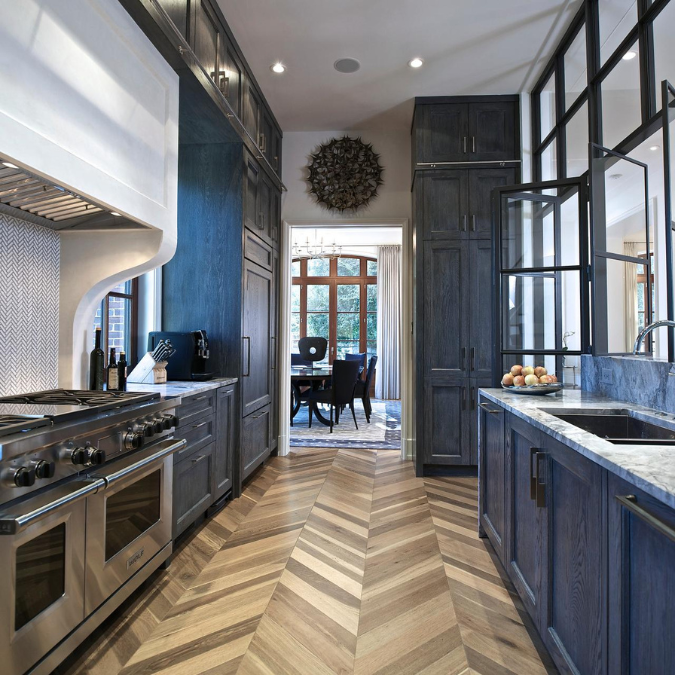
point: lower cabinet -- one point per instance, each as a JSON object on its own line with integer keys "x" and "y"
{"x": 256, "y": 433}
{"x": 192, "y": 487}
{"x": 225, "y": 417}
{"x": 641, "y": 582}
{"x": 447, "y": 431}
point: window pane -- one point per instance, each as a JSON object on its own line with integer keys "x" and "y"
{"x": 347, "y": 347}
{"x": 98, "y": 321}
{"x": 348, "y": 297}
{"x": 317, "y": 325}
{"x": 295, "y": 326}
{"x": 349, "y": 267}
{"x": 549, "y": 158}
{"x": 119, "y": 324}
{"x": 575, "y": 68}
{"x": 372, "y": 326}
{"x": 372, "y": 350}
{"x": 124, "y": 287}
{"x": 295, "y": 268}
{"x": 616, "y": 18}
{"x": 318, "y": 267}
{"x": 372, "y": 268}
{"x": 547, "y": 107}
{"x": 372, "y": 298}
{"x": 664, "y": 63}
{"x": 295, "y": 298}
{"x": 577, "y": 142}
{"x": 348, "y": 326}
{"x": 621, "y": 113}
{"x": 317, "y": 297}
{"x": 548, "y": 362}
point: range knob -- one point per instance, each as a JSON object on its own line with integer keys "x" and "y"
{"x": 149, "y": 429}
{"x": 95, "y": 456}
{"x": 24, "y": 477}
{"x": 158, "y": 426}
{"x": 44, "y": 469}
{"x": 170, "y": 421}
{"x": 133, "y": 440}
{"x": 79, "y": 456}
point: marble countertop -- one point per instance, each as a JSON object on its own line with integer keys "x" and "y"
{"x": 650, "y": 468}
{"x": 174, "y": 388}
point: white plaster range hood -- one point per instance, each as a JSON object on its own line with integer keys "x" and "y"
{"x": 28, "y": 196}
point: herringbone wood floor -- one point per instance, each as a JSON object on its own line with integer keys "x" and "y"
{"x": 332, "y": 561}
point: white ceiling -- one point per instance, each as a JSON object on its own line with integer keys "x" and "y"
{"x": 349, "y": 236}
{"x": 487, "y": 47}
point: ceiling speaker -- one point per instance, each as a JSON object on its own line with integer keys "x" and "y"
{"x": 346, "y": 65}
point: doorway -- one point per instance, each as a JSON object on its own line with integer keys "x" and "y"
{"x": 331, "y": 291}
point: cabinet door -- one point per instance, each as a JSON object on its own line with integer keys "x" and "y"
{"x": 255, "y": 441}
{"x": 492, "y": 475}
{"x": 275, "y": 216}
{"x": 574, "y": 627}
{"x": 251, "y": 214}
{"x": 256, "y": 381}
{"x": 224, "y": 448}
{"x": 206, "y": 35}
{"x": 641, "y": 582}
{"x": 446, "y": 422}
{"x": 192, "y": 488}
{"x": 446, "y": 308}
{"x": 276, "y": 142}
{"x": 252, "y": 105}
{"x": 445, "y": 208}
{"x": 265, "y": 190}
{"x": 229, "y": 74}
{"x": 492, "y": 129}
{"x": 526, "y": 522}
{"x": 442, "y": 132}
{"x": 265, "y": 139}
{"x": 481, "y": 184}
{"x": 479, "y": 314}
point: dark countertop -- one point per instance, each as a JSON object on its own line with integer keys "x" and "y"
{"x": 650, "y": 468}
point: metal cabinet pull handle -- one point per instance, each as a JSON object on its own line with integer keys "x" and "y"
{"x": 473, "y": 398}
{"x": 248, "y": 356}
{"x": 473, "y": 144}
{"x": 487, "y": 408}
{"x": 464, "y": 222}
{"x": 464, "y": 144}
{"x": 473, "y": 358}
{"x": 200, "y": 424}
{"x": 200, "y": 398}
{"x": 473, "y": 222}
{"x": 541, "y": 484}
{"x": 533, "y": 475}
{"x": 274, "y": 353}
{"x": 463, "y": 358}
{"x": 630, "y": 502}
{"x": 196, "y": 460}
{"x": 224, "y": 85}
{"x": 463, "y": 398}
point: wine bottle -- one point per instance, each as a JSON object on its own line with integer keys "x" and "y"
{"x": 122, "y": 372}
{"x": 113, "y": 375}
{"x": 97, "y": 364}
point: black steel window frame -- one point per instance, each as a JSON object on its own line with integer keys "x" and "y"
{"x": 668, "y": 118}
{"x": 133, "y": 317}
{"x": 587, "y": 19}
{"x": 577, "y": 185}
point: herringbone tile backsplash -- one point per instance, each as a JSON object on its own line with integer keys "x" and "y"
{"x": 29, "y": 306}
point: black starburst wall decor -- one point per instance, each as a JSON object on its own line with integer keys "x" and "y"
{"x": 344, "y": 174}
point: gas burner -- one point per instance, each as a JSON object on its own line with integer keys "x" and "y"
{"x": 77, "y": 397}
{"x": 15, "y": 424}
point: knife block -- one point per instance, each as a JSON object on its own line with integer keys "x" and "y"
{"x": 148, "y": 371}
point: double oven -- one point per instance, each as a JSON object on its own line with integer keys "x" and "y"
{"x": 71, "y": 553}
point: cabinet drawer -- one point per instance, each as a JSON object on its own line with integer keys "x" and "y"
{"x": 257, "y": 251}
{"x": 195, "y": 407}
{"x": 192, "y": 487}
{"x": 255, "y": 440}
{"x": 197, "y": 434}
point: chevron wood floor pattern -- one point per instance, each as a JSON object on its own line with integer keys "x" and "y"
{"x": 332, "y": 561}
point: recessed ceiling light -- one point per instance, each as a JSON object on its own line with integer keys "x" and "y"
{"x": 654, "y": 148}
{"x": 417, "y": 62}
{"x": 9, "y": 165}
{"x": 114, "y": 213}
{"x": 629, "y": 56}
{"x": 278, "y": 68}
{"x": 346, "y": 65}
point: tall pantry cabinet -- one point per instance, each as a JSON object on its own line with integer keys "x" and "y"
{"x": 463, "y": 148}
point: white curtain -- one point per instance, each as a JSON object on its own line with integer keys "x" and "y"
{"x": 388, "y": 378}
{"x": 630, "y": 248}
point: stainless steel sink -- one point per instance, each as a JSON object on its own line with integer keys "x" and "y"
{"x": 619, "y": 427}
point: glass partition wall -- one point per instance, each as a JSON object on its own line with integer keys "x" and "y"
{"x": 603, "y": 88}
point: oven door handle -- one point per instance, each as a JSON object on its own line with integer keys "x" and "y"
{"x": 163, "y": 449}
{"x": 12, "y": 524}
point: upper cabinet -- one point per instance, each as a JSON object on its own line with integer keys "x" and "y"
{"x": 465, "y": 130}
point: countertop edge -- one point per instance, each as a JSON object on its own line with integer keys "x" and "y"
{"x": 653, "y": 473}
{"x": 174, "y": 389}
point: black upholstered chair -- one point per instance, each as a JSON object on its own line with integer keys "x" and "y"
{"x": 313, "y": 348}
{"x": 362, "y": 390}
{"x": 361, "y": 358}
{"x": 297, "y": 360}
{"x": 341, "y": 391}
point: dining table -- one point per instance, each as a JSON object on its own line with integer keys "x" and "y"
{"x": 316, "y": 376}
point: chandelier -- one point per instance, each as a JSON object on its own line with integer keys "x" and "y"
{"x": 316, "y": 249}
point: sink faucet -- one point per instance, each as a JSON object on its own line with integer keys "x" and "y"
{"x": 648, "y": 329}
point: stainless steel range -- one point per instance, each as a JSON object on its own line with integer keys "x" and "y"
{"x": 85, "y": 514}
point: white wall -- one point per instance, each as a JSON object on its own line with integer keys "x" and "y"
{"x": 90, "y": 104}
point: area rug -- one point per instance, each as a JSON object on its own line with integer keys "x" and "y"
{"x": 384, "y": 430}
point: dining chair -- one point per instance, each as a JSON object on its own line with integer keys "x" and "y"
{"x": 313, "y": 348}
{"x": 362, "y": 390}
{"x": 340, "y": 393}
{"x": 297, "y": 360}
{"x": 361, "y": 358}
{"x": 300, "y": 387}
